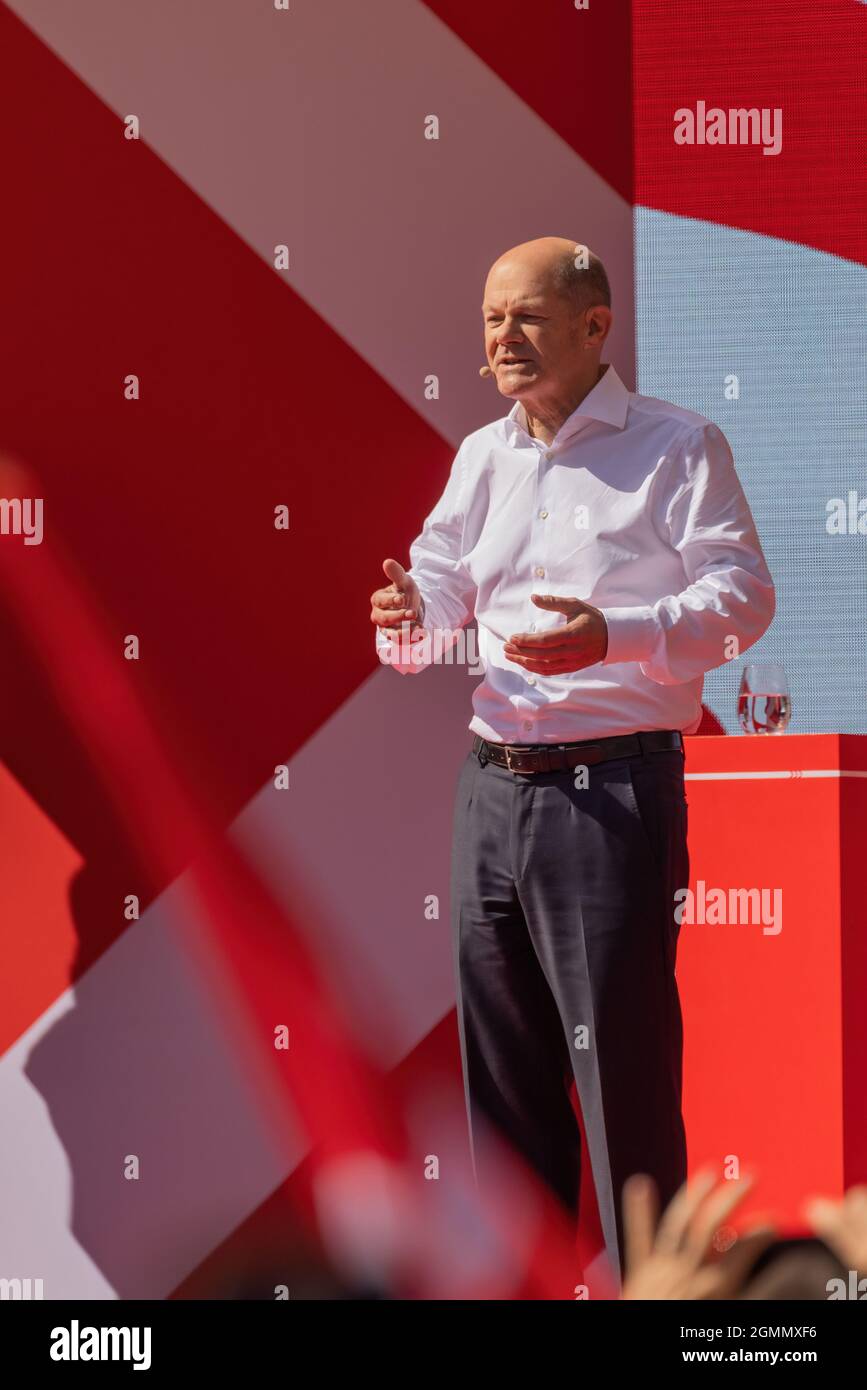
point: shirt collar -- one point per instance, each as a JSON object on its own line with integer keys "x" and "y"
{"x": 608, "y": 401}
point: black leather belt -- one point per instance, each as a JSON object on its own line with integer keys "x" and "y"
{"x": 560, "y": 757}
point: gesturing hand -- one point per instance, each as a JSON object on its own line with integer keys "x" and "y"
{"x": 842, "y": 1225}
{"x": 581, "y": 642}
{"x": 670, "y": 1260}
{"x": 401, "y": 602}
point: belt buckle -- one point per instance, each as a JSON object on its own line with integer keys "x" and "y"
{"x": 508, "y": 752}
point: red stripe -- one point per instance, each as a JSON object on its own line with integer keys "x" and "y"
{"x": 571, "y": 66}
{"x": 809, "y": 60}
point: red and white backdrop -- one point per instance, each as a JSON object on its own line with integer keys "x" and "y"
{"x": 304, "y": 387}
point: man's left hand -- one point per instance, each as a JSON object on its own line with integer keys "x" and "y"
{"x": 581, "y": 642}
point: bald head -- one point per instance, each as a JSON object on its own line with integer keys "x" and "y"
{"x": 547, "y": 312}
{"x": 571, "y": 269}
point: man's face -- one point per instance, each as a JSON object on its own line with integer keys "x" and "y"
{"x": 532, "y": 333}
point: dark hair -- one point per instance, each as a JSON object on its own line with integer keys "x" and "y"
{"x": 797, "y": 1267}
{"x": 583, "y": 287}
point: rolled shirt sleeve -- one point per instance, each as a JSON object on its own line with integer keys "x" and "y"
{"x": 730, "y": 593}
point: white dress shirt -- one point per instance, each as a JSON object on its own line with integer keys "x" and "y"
{"x": 636, "y": 508}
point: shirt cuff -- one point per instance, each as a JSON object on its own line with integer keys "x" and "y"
{"x": 393, "y": 649}
{"x": 632, "y": 634}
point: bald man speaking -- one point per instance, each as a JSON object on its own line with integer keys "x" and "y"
{"x": 603, "y": 542}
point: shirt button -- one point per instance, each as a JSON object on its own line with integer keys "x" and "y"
{"x": 550, "y": 454}
{"x": 543, "y": 514}
{"x": 539, "y": 572}
{"x": 531, "y": 680}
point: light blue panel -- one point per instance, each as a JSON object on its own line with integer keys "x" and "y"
{"x": 791, "y": 324}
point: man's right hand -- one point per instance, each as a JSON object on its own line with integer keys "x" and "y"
{"x": 401, "y": 602}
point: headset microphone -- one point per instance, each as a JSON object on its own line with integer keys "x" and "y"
{"x": 485, "y": 371}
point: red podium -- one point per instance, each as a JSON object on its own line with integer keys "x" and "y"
{"x": 772, "y": 963}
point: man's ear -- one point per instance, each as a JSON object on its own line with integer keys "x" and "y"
{"x": 598, "y": 323}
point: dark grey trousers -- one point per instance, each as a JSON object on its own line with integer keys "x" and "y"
{"x": 565, "y": 942}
